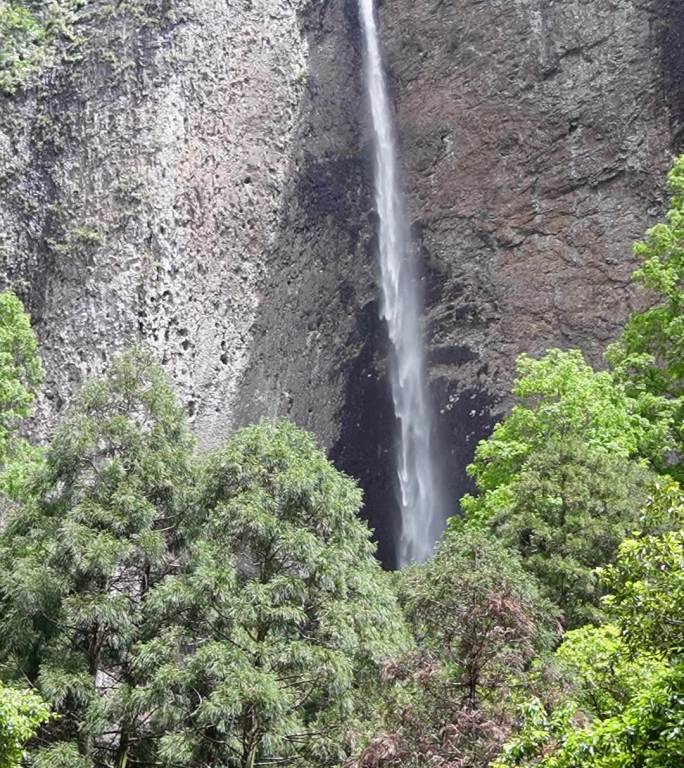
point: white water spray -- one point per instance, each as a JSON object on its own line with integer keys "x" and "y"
{"x": 420, "y": 493}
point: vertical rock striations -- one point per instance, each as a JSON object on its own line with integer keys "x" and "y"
{"x": 146, "y": 185}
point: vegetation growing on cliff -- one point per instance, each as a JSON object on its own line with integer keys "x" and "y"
{"x": 30, "y": 30}
{"x": 22, "y": 45}
{"x": 227, "y": 610}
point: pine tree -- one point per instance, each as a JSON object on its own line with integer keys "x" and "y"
{"x": 79, "y": 557}
{"x": 281, "y": 616}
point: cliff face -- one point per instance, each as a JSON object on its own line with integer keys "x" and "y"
{"x": 201, "y": 180}
{"x": 146, "y": 185}
{"x": 536, "y": 136}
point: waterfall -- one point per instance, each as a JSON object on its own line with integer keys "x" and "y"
{"x": 419, "y": 491}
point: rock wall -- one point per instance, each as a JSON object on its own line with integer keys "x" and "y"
{"x": 146, "y": 185}
{"x": 536, "y": 136}
{"x": 201, "y": 180}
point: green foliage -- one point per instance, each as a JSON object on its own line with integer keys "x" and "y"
{"x": 556, "y": 479}
{"x": 22, "y": 465}
{"x": 78, "y": 557}
{"x": 559, "y": 397}
{"x": 605, "y": 672}
{"x": 649, "y": 357}
{"x": 541, "y": 733}
{"x": 647, "y": 579}
{"x": 627, "y": 677}
{"x": 20, "y": 370}
{"x": 474, "y": 607}
{"x": 21, "y": 714}
{"x": 60, "y": 755}
{"x": 628, "y": 709}
{"x": 29, "y": 32}
{"x": 478, "y": 621}
{"x": 281, "y": 615}
{"x": 21, "y": 375}
{"x": 647, "y": 733}
{"x": 22, "y": 45}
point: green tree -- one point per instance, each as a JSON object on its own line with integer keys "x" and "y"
{"x": 20, "y": 370}
{"x": 479, "y": 621}
{"x": 628, "y": 707}
{"x": 78, "y": 558}
{"x": 646, "y": 733}
{"x": 647, "y": 580}
{"x": 556, "y": 479}
{"x": 649, "y": 357}
{"x": 21, "y": 715}
{"x": 604, "y": 671}
{"x": 21, "y": 373}
{"x": 558, "y": 396}
{"x": 281, "y": 618}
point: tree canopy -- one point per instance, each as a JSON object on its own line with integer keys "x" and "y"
{"x": 649, "y": 357}
{"x": 161, "y": 607}
{"x": 222, "y": 611}
{"x": 78, "y": 558}
{"x": 280, "y": 616}
{"x": 558, "y": 479}
{"x": 478, "y": 620}
{"x": 628, "y": 704}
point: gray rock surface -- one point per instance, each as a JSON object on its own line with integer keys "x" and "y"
{"x": 155, "y": 192}
{"x": 201, "y": 180}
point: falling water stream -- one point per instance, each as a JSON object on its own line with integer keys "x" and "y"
{"x": 419, "y": 489}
